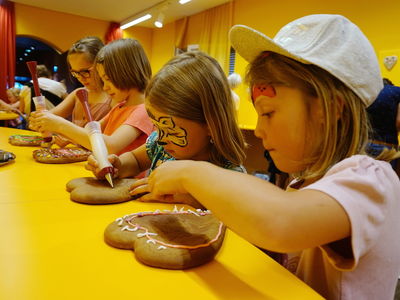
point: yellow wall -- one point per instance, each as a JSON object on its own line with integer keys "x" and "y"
{"x": 163, "y": 46}
{"x": 59, "y": 30}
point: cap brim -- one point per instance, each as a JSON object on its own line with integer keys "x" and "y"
{"x": 250, "y": 43}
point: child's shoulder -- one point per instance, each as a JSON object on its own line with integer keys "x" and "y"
{"x": 360, "y": 176}
{"x": 359, "y": 162}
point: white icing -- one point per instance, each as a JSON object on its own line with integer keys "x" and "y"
{"x": 126, "y": 227}
{"x": 161, "y": 247}
{"x": 192, "y": 212}
{"x": 119, "y": 221}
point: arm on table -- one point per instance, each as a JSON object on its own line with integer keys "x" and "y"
{"x": 257, "y": 210}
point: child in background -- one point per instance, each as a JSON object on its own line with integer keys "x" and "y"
{"x": 13, "y": 103}
{"x": 53, "y": 90}
{"x": 189, "y": 101}
{"x": 124, "y": 69}
{"x": 80, "y": 59}
{"x": 234, "y": 81}
{"x": 310, "y": 86}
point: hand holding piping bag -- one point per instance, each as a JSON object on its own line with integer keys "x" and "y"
{"x": 99, "y": 148}
{"x": 39, "y": 100}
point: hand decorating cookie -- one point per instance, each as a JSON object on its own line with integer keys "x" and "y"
{"x": 177, "y": 239}
{"x": 90, "y": 190}
{"x": 60, "y": 156}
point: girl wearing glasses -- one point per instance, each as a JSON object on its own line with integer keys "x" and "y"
{"x": 124, "y": 70}
{"x": 80, "y": 59}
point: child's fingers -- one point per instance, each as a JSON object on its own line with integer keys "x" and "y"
{"x": 138, "y": 183}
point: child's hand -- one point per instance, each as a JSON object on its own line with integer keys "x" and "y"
{"x": 61, "y": 141}
{"x": 167, "y": 178}
{"x": 140, "y": 191}
{"x": 93, "y": 166}
{"x": 44, "y": 121}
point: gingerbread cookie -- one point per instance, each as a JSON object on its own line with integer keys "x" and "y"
{"x": 60, "y": 156}
{"x": 90, "y": 190}
{"x": 25, "y": 140}
{"x": 177, "y": 239}
{"x": 6, "y": 157}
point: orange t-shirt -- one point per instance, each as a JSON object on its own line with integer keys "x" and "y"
{"x": 135, "y": 116}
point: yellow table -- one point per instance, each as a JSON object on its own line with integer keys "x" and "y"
{"x": 53, "y": 248}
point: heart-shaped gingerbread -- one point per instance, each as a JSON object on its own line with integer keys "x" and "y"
{"x": 60, "y": 155}
{"x": 90, "y": 190}
{"x": 177, "y": 239}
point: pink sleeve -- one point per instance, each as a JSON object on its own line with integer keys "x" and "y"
{"x": 140, "y": 120}
{"x": 367, "y": 189}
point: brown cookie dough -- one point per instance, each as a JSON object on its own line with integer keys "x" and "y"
{"x": 90, "y": 190}
{"x": 177, "y": 239}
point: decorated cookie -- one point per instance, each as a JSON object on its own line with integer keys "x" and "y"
{"x": 60, "y": 156}
{"x": 25, "y": 140}
{"x": 6, "y": 157}
{"x": 90, "y": 190}
{"x": 177, "y": 239}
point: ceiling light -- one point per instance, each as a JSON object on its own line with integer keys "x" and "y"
{"x": 136, "y": 21}
{"x": 159, "y": 22}
{"x": 184, "y": 1}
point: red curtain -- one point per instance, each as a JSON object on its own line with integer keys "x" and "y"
{"x": 7, "y": 47}
{"x": 113, "y": 32}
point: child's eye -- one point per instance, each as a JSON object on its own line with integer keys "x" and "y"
{"x": 267, "y": 114}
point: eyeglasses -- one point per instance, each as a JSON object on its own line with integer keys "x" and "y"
{"x": 82, "y": 73}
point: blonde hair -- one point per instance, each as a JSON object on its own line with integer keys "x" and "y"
{"x": 193, "y": 86}
{"x": 345, "y": 129}
{"x": 126, "y": 64}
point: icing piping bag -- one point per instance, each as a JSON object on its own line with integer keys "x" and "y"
{"x": 93, "y": 130}
{"x": 39, "y": 100}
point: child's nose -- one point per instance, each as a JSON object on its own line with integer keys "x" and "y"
{"x": 258, "y": 132}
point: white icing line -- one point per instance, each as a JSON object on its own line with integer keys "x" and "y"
{"x": 192, "y": 212}
{"x": 119, "y": 221}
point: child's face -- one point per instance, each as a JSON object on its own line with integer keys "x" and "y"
{"x": 181, "y": 138}
{"x": 115, "y": 93}
{"x": 82, "y": 69}
{"x": 282, "y": 126}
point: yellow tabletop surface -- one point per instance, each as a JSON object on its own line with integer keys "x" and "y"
{"x": 53, "y": 248}
{"x": 7, "y": 115}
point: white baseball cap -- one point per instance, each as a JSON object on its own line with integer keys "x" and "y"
{"x": 331, "y": 42}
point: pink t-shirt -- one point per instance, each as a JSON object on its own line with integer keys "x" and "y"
{"x": 367, "y": 264}
{"x": 135, "y": 116}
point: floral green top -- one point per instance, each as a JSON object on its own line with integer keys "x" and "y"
{"x": 158, "y": 155}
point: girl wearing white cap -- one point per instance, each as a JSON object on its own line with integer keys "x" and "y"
{"x": 310, "y": 86}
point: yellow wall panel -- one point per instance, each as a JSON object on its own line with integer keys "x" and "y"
{"x": 57, "y": 29}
